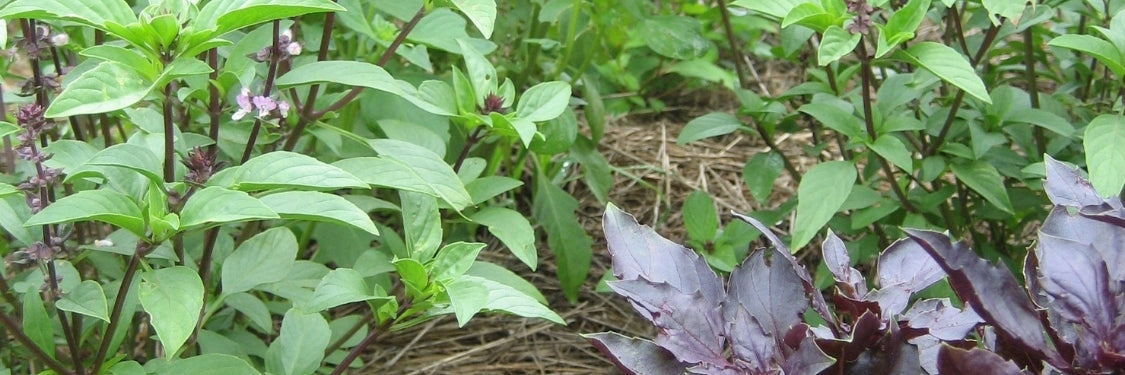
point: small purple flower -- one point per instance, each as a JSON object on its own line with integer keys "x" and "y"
{"x": 201, "y": 165}
{"x": 244, "y": 105}
{"x": 267, "y": 107}
{"x": 861, "y": 23}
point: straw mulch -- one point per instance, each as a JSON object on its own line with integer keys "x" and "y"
{"x": 653, "y": 177}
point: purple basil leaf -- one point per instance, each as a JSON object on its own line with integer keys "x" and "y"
{"x": 1066, "y": 187}
{"x": 1030, "y": 265}
{"x": 751, "y": 344}
{"x": 807, "y": 360}
{"x": 1110, "y": 215}
{"x": 818, "y": 303}
{"x": 709, "y": 369}
{"x": 991, "y": 290}
{"x": 941, "y": 319}
{"x": 952, "y": 360}
{"x": 906, "y": 266}
{"x": 901, "y": 357}
{"x": 1105, "y": 238}
{"x": 854, "y": 285}
{"x": 891, "y": 300}
{"x": 771, "y": 291}
{"x": 928, "y": 347}
{"x": 638, "y": 252}
{"x": 1075, "y": 277}
{"x": 636, "y": 356}
{"x": 689, "y": 327}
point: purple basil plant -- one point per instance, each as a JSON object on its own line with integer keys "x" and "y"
{"x": 755, "y": 324}
{"x": 1070, "y": 318}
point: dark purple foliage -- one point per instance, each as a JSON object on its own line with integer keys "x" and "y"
{"x": 752, "y": 327}
{"x": 1071, "y": 317}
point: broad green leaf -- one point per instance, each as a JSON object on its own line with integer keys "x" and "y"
{"x": 37, "y": 324}
{"x": 835, "y": 43}
{"x": 100, "y": 205}
{"x": 983, "y": 178}
{"x": 775, "y": 9}
{"x": 300, "y": 347}
{"x": 87, "y": 299}
{"x": 504, "y": 298}
{"x": 1105, "y": 156}
{"x": 89, "y": 13}
{"x": 481, "y": 12}
{"x": 836, "y": 119}
{"x": 810, "y": 15}
{"x": 710, "y": 125}
{"x": 173, "y": 298}
{"x": 219, "y": 205}
{"x": 406, "y": 166}
{"x": 555, "y": 210}
{"x": 355, "y": 73}
{"x": 900, "y": 27}
{"x": 340, "y": 286}
{"x": 254, "y": 309}
{"x": 209, "y": 364}
{"x": 677, "y": 37}
{"x": 480, "y": 73}
{"x": 317, "y": 206}
{"x": 467, "y": 297}
{"x": 107, "y": 87}
{"x": 1102, "y": 50}
{"x": 129, "y": 156}
{"x": 126, "y": 56}
{"x": 1010, "y": 9}
{"x": 544, "y": 101}
{"x": 822, "y": 192}
{"x": 512, "y": 229}
{"x": 6, "y": 190}
{"x": 1044, "y": 119}
{"x": 488, "y": 187}
{"x": 950, "y": 66}
{"x": 283, "y": 169}
{"x": 510, "y": 125}
{"x": 454, "y": 259}
{"x": 413, "y": 275}
{"x": 892, "y": 149}
{"x": 421, "y": 224}
{"x": 700, "y": 218}
{"x": 760, "y": 172}
{"x": 265, "y": 258}
{"x": 7, "y": 128}
{"x": 505, "y": 276}
{"x": 228, "y": 15}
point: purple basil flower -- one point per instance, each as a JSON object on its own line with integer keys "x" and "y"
{"x": 287, "y": 47}
{"x": 267, "y": 107}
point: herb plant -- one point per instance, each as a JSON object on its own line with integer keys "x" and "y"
{"x": 202, "y": 193}
{"x": 1069, "y": 318}
{"x": 757, "y": 325}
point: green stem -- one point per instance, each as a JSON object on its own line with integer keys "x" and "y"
{"x": 568, "y": 46}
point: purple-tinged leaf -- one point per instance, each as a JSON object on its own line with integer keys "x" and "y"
{"x": 952, "y": 360}
{"x": 900, "y": 357}
{"x": 848, "y": 279}
{"x": 639, "y": 252}
{"x": 1103, "y": 237}
{"x": 636, "y": 356}
{"x": 865, "y": 333}
{"x": 1076, "y": 278}
{"x": 709, "y": 369}
{"x": 770, "y": 290}
{"x": 854, "y": 308}
{"x": 1065, "y": 186}
{"x": 1034, "y": 290}
{"x": 807, "y": 360}
{"x": 750, "y": 343}
{"x": 818, "y": 303}
{"x": 991, "y": 290}
{"x": 689, "y": 327}
{"x": 941, "y": 319}
{"x": 1110, "y": 215}
{"x": 928, "y": 347}
{"x": 905, "y": 266}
